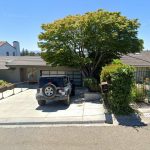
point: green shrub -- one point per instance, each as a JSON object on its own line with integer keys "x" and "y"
{"x": 91, "y": 84}
{"x": 120, "y": 78}
{"x": 108, "y": 71}
{"x": 138, "y": 93}
{"x": 117, "y": 61}
{"x": 3, "y": 83}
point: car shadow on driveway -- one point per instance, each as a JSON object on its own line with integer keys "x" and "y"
{"x": 82, "y": 95}
{"x": 52, "y": 107}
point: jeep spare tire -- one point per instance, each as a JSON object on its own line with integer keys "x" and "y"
{"x": 49, "y": 90}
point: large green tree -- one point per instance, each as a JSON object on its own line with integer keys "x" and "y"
{"x": 89, "y": 41}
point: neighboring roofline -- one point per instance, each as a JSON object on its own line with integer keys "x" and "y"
{"x": 38, "y": 62}
{"x": 10, "y": 45}
{"x": 141, "y": 66}
{"x": 137, "y": 60}
{"x": 5, "y": 42}
{"x": 26, "y": 66}
{"x": 44, "y": 67}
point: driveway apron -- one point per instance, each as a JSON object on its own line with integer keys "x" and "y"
{"x": 22, "y": 108}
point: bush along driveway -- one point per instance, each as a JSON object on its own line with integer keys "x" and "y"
{"x": 118, "y": 99}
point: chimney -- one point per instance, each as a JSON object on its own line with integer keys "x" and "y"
{"x": 17, "y": 47}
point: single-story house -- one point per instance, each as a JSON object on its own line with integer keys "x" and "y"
{"x": 29, "y": 68}
{"x": 141, "y": 62}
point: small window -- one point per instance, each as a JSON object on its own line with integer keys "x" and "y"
{"x": 13, "y": 53}
{"x": 7, "y": 53}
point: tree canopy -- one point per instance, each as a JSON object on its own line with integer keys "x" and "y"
{"x": 90, "y": 40}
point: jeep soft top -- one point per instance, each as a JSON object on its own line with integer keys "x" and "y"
{"x": 57, "y": 80}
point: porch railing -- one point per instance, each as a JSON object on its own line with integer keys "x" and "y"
{"x": 12, "y": 89}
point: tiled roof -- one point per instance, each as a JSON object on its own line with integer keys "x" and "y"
{"x": 9, "y": 61}
{"x": 139, "y": 59}
{"x": 2, "y": 42}
{"x": 27, "y": 61}
{"x": 3, "y": 61}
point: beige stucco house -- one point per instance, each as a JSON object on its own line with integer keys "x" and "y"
{"x": 29, "y": 68}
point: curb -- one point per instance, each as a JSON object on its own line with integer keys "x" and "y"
{"x": 52, "y": 123}
{"x": 109, "y": 118}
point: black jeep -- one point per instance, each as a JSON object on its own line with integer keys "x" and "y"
{"x": 54, "y": 88}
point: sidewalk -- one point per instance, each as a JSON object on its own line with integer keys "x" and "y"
{"x": 144, "y": 110}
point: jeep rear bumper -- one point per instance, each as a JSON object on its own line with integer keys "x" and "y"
{"x": 56, "y": 98}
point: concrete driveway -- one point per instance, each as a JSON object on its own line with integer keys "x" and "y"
{"x": 22, "y": 108}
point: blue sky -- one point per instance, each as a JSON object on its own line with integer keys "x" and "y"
{"x": 21, "y": 20}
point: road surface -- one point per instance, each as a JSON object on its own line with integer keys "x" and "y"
{"x": 75, "y": 138}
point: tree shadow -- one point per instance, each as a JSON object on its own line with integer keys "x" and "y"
{"x": 27, "y": 85}
{"x": 133, "y": 120}
{"x": 85, "y": 96}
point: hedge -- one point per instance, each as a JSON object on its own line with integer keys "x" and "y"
{"x": 120, "y": 78}
{"x": 91, "y": 84}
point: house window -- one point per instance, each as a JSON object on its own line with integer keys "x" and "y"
{"x": 13, "y": 53}
{"x": 7, "y": 53}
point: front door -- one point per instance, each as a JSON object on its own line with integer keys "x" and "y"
{"x": 23, "y": 74}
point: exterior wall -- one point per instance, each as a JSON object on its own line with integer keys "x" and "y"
{"x": 7, "y": 48}
{"x": 17, "y": 47}
{"x": 141, "y": 73}
{"x": 33, "y": 73}
{"x": 11, "y": 75}
{"x": 76, "y": 76}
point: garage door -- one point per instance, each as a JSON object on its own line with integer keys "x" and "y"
{"x": 76, "y": 76}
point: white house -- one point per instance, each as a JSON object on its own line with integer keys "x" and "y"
{"x": 7, "y": 49}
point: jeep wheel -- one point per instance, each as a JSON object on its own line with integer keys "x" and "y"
{"x": 41, "y": 102}
{"x": 67, "y": 101}
{"x": 49, "y": 90}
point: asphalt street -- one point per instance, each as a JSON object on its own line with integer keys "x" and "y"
{"x": 75, "y": 138}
